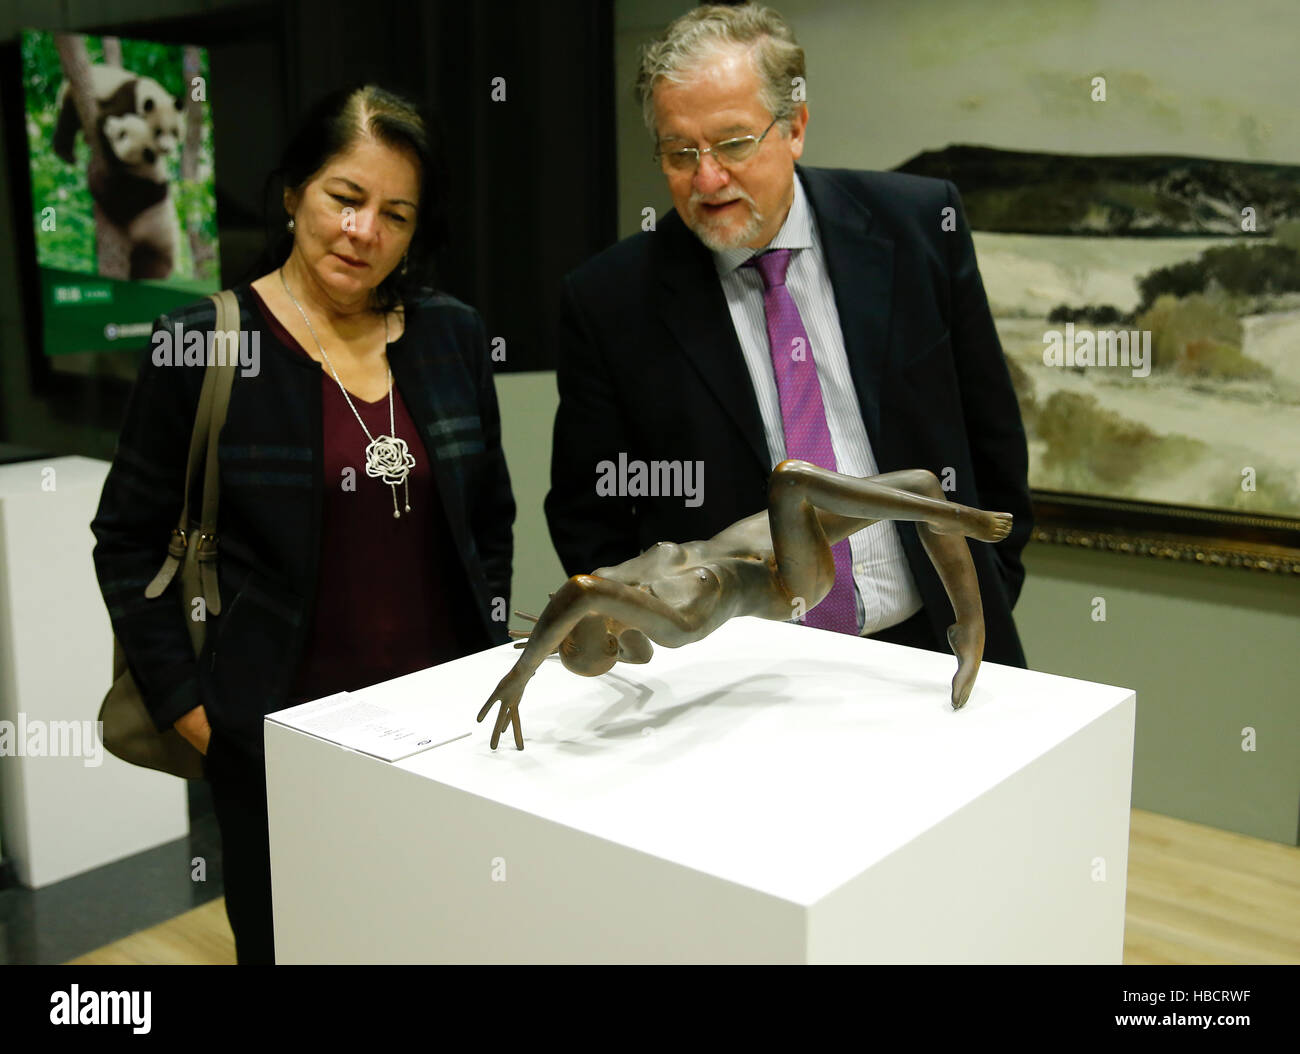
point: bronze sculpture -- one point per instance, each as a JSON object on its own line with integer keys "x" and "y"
{"x": 776, "y": 564}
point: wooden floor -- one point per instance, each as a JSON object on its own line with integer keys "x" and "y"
{"x": 1195, "y": 895}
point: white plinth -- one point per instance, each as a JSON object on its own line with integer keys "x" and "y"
{"x": 64, "y": 814}
{"x": 771, "y": 794}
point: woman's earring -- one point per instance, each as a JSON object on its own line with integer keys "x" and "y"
{"x": 290, "y": 225}
{"x": 403, "y": 263}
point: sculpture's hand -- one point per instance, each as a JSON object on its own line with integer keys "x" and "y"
{"x": 508, "y": 693}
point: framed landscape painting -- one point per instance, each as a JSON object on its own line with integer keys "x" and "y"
{"x": 1149, "y": 310}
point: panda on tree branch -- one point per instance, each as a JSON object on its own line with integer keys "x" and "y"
{"x": 139, "y": 127}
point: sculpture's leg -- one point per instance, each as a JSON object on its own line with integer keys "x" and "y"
{"x": 950, "y": 555}
{"x": 848, "y": 504}
{"x": 804, "y": 563}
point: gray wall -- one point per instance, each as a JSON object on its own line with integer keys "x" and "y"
{"x": 1209, "y": 651}
{"x": 528, "y": 402}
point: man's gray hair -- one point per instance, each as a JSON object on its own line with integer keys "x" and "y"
{"x": 694, "y": 38}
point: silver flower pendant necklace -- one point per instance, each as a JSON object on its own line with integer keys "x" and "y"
{"x": 387, "y": 457}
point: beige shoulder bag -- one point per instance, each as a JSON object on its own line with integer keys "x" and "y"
{"x": 128, "y": 730}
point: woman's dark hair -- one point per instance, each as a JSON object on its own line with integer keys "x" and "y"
{"x": 332, "y": 126}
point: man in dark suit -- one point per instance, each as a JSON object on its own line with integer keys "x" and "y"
{"x": 678, "y": 386}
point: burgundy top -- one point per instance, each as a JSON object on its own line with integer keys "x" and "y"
{"x": 389, "y": 590}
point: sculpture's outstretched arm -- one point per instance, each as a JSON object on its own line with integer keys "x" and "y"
{"x": 579, "y": 597}
{"x": 811, "y": 508}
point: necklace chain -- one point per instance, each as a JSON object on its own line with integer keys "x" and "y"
{"x": 387, "y": 457}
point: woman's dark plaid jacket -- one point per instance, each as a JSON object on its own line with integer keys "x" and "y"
{"x": 268, "y": 523}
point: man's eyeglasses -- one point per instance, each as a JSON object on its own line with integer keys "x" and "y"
{"x": 726, "y": 153}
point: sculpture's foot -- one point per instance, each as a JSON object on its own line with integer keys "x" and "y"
{"x": 989, "y": 526}
{"x": 976, "y": 523}
{"x": 967, "y": 643}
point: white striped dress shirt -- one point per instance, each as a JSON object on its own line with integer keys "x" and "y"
{"x": 886, "y": 592}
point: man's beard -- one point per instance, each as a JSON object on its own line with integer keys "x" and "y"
{"x": 712, "y": 233}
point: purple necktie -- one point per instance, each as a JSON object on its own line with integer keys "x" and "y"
{"x": 807, "y": 436}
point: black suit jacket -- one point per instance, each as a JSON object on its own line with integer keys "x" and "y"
{"x": 650, "y": 367}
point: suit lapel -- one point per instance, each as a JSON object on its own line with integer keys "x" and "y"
{"x": 695, "y": 309}
{"x": 861, "y": 266}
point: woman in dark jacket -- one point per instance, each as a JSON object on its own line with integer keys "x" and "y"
{"x": 364, "y": 528}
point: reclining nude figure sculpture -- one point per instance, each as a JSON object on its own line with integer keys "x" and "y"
{"x": 776, "y": 564}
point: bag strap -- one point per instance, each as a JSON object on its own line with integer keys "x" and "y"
{"x": 228, "y": 327}
{"x": 213, "y": 401}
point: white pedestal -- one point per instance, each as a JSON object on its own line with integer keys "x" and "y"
{"x": 64, "y": 814}
{"x": 771, "y": 794}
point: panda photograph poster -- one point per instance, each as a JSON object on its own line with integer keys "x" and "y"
{"x": 122, "y": 180}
